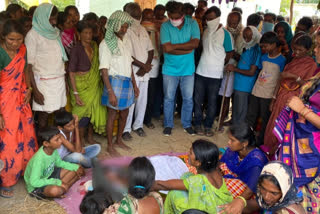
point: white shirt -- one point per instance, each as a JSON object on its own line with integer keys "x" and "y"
{"x": 212, "y": 58}
{"x": 44, "y": 55}
{"x": 141, "y": 44}
{"x": 63, "y": 151}
{"x": 116, "y": 64}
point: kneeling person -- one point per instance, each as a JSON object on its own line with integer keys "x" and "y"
{"x": 46, "y": 174}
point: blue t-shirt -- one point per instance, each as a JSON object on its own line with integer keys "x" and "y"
{"x": 179, "y": 65}
{"x": 248, "y": 57}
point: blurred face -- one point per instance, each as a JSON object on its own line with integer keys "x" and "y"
{"x": 86, "y": 35}
{"x": 234, "y": 144}
{"x": 247, "y": 35}
{"x": 13, "y": 41}
{"x": 281, "y": 32}
{"x": 123, "y": 30}
{"x": 68, "y": 23}
{"x": 189, "y": 12}
{"x": 270, "y": 193}
{"x": 267, "y": 48}
{"x": 75, "y": 17}
{"x": 55, "y": 141}
{"x": 299, "y": 51}
{"x": 268, "y": 18}
{"x": 317, "y": 49}
{"x": 301, "y": 27}
{"x": 69, "y": 126}
{"x": 103, "y": 22}
{"x": 17, "y": 15}
{"x": 159, "y": 14}
{"x": 53, "y": 20}
{"x": 148, "y": 16}
{"x": 210, "y": 16}
{"x": 27, "y": 26}
{"x": 233, "y": 21}
{"x": 136, "y": 14}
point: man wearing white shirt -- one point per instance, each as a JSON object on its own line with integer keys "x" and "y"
{"x": 142, "y": 55}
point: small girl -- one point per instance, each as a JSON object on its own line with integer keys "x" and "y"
{"x": 204, "y": 191}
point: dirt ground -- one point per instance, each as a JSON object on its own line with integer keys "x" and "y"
{"x": 154, "y": 143}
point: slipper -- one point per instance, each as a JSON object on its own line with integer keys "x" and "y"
{"x": 140, "y": 132}
{"x": 7, "y": 189}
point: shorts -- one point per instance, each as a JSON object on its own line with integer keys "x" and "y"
{"x": 39, "y": 192}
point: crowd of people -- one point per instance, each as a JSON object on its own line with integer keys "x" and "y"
{"x": 113, "y": 75}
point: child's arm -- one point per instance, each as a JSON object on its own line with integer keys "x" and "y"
{"x": 68, "y": 145}
{"x": 63, "y": 164}
{"x": 250, "y": 72}
{"x": 78, "y": 146}
{"x": 174, "y": 184}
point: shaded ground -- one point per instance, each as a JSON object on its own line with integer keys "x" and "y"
{"x": 154, "y": 143}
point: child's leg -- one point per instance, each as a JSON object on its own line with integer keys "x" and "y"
{"x": 111, "y": 117}
{"x": 265, "y": 115}
{"x": 253, "y": 111}
{"x": 122, "y": 122}
{"x": 53, "y": 191}
{"x": 69, "y": 177}
{"x": 90, "y": 135}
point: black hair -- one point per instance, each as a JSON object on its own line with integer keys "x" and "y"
{"x": 12, "y": 8}
{"x": 254, "y": 19}
{"x": 274, "y": 16}
{"x": 71, "y": 7}
{"x": 306, "y": 21}
{"x": 280, "y": 18}
{"x": 214, "y": 10}
{"x": 270, "y": 178}
{"x": 102, "y": 17}
{"x": 243, "y": 132}
{"x": 194, "y": 211}
{"x": 159, "y": 7}
{"x": 95, "y": 202}
{"x": 141, "y": 176}
{"x": 25, "y": 19}
{"x": 145, "y": 11}
{"x": 90, "y": 17}
{"x": 54, "y": 11}
{"x": 207, "y": 153}
{"x": 203, "y": 1}
{"x": 188, "y": 6}
{"x": 62, "y": 118}
{"x": 235, "y": 13}
{"x": 12, "y": 26}
{"x": 304, "y": 40}
{"x": 62, "y": 18}
{"x": 47, "y": 133}
{"x": 174, "y": 7}
{"x": 237, "y": 9}
{"x": 81, "y": 25}
{"x": 270, "y": 38}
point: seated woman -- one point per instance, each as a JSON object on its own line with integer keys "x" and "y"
{"x": 276, "y": 191}
{"x": 204, "y": 191}
{"x": 241, "y": 165}
{"x": 298, "y": 130}
{"x": 141, "y": 176}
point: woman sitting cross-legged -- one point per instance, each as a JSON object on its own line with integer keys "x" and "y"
{"x": 204, "y": 191}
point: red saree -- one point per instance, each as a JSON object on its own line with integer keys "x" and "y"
{"x": 303, "y": 67}
{"x": 17, "y": 140}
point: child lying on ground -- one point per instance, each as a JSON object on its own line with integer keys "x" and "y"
{"x": 46, "y": 174}
{"x": 71, "y": 149}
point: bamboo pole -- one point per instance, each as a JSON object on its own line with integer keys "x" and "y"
{"x": 291, "y": 12}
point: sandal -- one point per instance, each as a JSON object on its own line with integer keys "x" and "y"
{"x": 208, "y": 132}
{"x": 6, "y": 192}
{"x": 150, "y": 125}
{"x": 126, "y": 136}
{"x": 140, "y": 132}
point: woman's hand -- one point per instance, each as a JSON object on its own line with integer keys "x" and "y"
{"x": 295, "y": 104}
{"x": 2, "y": 124}
{"x": 79, "y": 102}
{"x": 38, "y": 97}
{"x": 112, "y": 98}
{"x": 235, "y": 207}
{"x": 27, "y": 97}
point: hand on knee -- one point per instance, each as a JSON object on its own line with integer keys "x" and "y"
{"x": 80, "y": 172}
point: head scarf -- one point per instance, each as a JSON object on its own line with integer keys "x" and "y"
{"x": 255, "y": 38}
{"x": 283, "y": 174}
{"x": 287, "y": 30}
{"x": 116, "y": 20}
{"x": 41, "y": 24}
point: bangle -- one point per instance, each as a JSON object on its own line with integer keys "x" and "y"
{"x": 243, "y": 199}
{"x": 75, "y": 92}
{"x": 305, "y": 115}
{"x": 298, "y": 79}
{"x": 30, "y": 88}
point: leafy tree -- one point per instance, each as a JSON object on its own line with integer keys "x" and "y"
{"x": 62, "y": 4}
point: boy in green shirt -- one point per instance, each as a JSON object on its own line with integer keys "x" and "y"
{"x": 46, "y": 175}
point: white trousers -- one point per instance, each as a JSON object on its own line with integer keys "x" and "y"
{"x": 139, "y": 108}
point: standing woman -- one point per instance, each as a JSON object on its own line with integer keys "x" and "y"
{"x": 86, "y": 84}
{"x": 17, "y": 135}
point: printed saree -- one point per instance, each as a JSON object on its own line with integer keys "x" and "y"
{"x": 17, "y": 140}
{"x": 90, "y": 88}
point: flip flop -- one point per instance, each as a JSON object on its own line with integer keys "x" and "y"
{"x": 7, "y": 189}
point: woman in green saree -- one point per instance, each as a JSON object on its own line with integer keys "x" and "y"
{"x": 86, "y": 84}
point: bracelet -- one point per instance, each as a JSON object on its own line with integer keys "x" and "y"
{"x": 30, "y": 88}
{"x": 75, "y": 92}
{"x": 305, "y": 115}
{"x": 298, "y": 79}
{"x": 243, "y": 199}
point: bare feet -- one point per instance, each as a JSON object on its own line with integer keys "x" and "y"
{"x": 91, "y": 141}
{"x": 121, "y": 145}
{"x": 113, "y": 152}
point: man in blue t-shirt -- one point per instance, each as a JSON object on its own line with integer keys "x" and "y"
{"x": 179, "y": 37}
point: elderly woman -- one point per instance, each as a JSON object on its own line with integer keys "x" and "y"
{"x": 120, "y": 87}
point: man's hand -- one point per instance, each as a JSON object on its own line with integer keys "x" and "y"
{"x": 112, "y": 98}
{"x": 230, "y": 68}
{"x": 38, "y": 97}
{"x": 141, "y": 72}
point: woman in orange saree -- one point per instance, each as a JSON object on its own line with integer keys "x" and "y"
{"x": 299, "y": 70}
{"x": 17, "y": 136}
